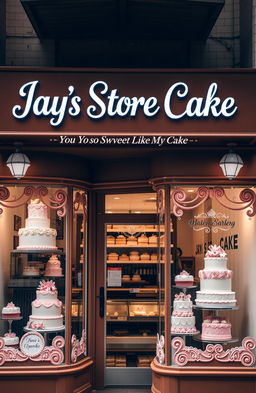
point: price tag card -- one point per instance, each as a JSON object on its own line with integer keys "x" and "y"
{"x": 114, "y": 277}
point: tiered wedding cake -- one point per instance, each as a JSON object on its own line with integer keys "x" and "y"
{"x": 215, "y": 281}
{"x": 37, "y": 234}
{"x": 46, "y": 309}
{"x": 53, "y": 267}
{"x": 182, "y": 319}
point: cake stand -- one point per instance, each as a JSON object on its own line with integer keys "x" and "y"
{"x": 230, "y": 340}
{"x": 10, "y": 321}
{"x": 45, "y": 332}
{"x": 184, "y": 288}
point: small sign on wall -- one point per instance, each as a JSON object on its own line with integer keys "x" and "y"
{"x": 114, "y": 277}
{"x": 32, "y": 344}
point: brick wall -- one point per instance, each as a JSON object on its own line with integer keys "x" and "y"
{"x": 222, "y": 48}
{"x": 23, "y": 48}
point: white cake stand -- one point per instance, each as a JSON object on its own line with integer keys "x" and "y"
{"x": 44, "y": 332}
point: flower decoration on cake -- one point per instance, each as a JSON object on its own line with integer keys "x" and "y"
{"x": 35, "y": 325}
{"x": 10, "y": 305}
{"x": 215, "y": 252}
{"x": 47, "y": 286}
{"x": 11, "y": 335}
{"x": 182, "y": 296}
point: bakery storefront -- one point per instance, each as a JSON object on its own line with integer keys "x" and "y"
{"x": 127, "y": 252}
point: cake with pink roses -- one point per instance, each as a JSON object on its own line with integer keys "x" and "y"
{"x": 184, "y": 279}
{"x": 215, "y": 281}
{"x": 182, "y": 319}
{"x": 216, "y": 329}
{"x": 46, "y": 308}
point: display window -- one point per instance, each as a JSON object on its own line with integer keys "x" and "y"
{"x": 208, "y": 276}
{"x": 43, "y": 230}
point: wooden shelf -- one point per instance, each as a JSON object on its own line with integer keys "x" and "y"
{"x": 139, "y": 262}
{"x": 127, "y": 246}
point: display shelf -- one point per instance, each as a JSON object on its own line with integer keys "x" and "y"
{"x": 128, "y": 246}
{"x": 135, "y": 319}
{"x": 144, "y": 231}
{"x": 185, "y": 334}
{"x": 215, "y": 308}
{"x": 131, "y": 339}
{"x": 184, "y": 287}
{"x": 58, "y": 252}
{"x": 199, "y": 338}
{"x": 139, "y": 262}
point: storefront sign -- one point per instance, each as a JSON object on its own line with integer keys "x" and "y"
{"x": 211, "y": 221}
{"x": 32, "y": 344}
{"x": 115, "y": 102}
{"x": 109, "y": 102}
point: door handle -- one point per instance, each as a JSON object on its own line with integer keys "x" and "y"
{"x": 102, "y": 302}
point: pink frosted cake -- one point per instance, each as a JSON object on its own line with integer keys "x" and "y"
{"x": 10, "y": 311}
{"x": 184, "y": 279}
{"x": 53, "y": 267}
{"x": 11, "y": 340}
{"x": 182, "y": 319}
{"x": 37, "y": 234}
{"x": 216, "y": 328}
{"x": 215, "y": 281}
{"x": 46, "y": 308}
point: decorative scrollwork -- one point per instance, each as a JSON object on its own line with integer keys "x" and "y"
{"x": 80, "y": 200}
{"x": 243, "y": 354}
{"x": 180, "y": 203}
{"x": 53, "y": 353}
{"x": 160, "y": 349}
{"x": 78, "y": 346}
{"x": 57, "y": 202}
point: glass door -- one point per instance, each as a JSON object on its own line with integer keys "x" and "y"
{"x": 131, "y": 288}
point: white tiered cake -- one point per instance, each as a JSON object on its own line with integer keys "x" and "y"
{"x": 182, "y": 319}
{"x": 37, "y": 234}
{"x": 46, "y": 308}
{"x": 215, "y": 281}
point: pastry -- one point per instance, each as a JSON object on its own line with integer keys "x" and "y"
{"x": 142, "y": 240}
{"x": 132, "y": 241}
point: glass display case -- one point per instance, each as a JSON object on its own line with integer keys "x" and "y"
{"x": 208, "y": 294}
{"x": 43, "y": 233}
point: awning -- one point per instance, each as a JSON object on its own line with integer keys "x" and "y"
{"x": 126, "y": 19}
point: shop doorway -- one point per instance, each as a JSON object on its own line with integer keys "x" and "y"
{"x": 127, "y": 289}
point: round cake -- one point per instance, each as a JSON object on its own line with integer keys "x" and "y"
{"x": 142, "y": 240}
{"x": 30, "y": 270}
{"x": 132, "y": 241}
{"x": 53, "y": 267}
{"x": 113, "y": 256}
{"x": 11, "y": 340}
{"x": 121, "y": 240}
{"x": 46, "y": 308}
{"x": 182, "y": 319}
{"x": 37, "y": 234}
{"x": 110, "y": 240}
{"x": 216, "y": 328}
{"x": 10, "y": 311}
{"x": 134, "y": 256}
{"x": 184, "y": 279}
{"x": 215, "y": 281}
{"x": 145, "y": 256}
{"x": 152, "y": 240}
{"x": 124, "y": 257}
